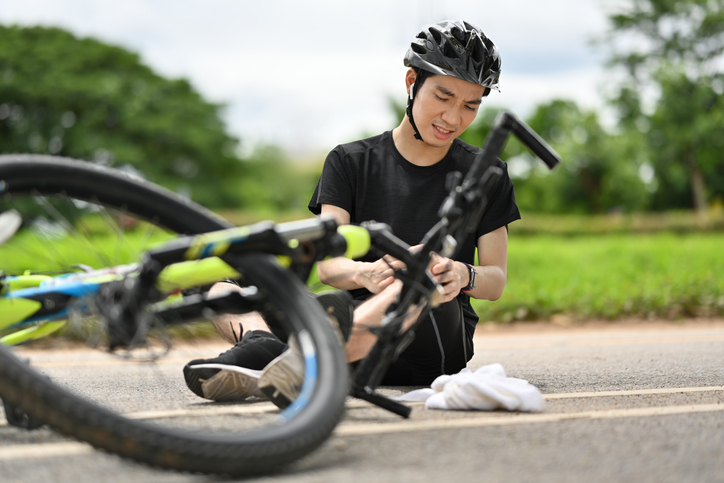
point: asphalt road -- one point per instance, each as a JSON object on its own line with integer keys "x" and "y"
{"x": 639, "y": 402}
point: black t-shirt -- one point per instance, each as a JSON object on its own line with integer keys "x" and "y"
{"x": 372, "y": 181}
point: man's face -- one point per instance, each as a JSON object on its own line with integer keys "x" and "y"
{"x": 444, "y": 107}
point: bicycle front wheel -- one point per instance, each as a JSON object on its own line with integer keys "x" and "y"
{"x": 81, "y": 215}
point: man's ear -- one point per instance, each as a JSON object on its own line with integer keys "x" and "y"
{"x": 410, "y": 78}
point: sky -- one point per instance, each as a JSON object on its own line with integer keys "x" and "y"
{"x": 308, "y": 75}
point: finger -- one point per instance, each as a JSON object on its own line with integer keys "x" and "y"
{"x": 444, "y": 278}
{"x": 443, "y": 266}
{"x": 386, "y": 283}
{"x": 390, "y": 261}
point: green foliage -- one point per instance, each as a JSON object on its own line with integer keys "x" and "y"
{"x": 276, "y": 185}
{"x": 685, "y": 136}
{"x": 609, "y": 277}
{"x": 674, "y": 52}
{"x": 82, "y": 98}
{"x": 599, "y": 172}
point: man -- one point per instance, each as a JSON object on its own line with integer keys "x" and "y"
{"x": 398, "y": 178}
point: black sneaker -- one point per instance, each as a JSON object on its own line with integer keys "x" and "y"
{"x": 233, "y": 375}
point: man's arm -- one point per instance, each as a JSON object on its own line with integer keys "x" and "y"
{"x": 347, "y": 274}
{"x": 492, "y": 271}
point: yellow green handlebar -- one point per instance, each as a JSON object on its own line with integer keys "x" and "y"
{"x": 358, "y": 240}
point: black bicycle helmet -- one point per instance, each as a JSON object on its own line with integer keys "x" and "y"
{"x": 458, "y": 49}
{"x": 453, "y": 48}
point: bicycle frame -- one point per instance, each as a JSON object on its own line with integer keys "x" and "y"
{"x": 29, "y": 300}
{"x": 200, "y": 260}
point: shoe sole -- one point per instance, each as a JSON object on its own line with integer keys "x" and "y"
{"x": 220, "y": 382}
{"x": 281, "y": 380}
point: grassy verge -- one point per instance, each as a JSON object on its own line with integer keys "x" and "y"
{"x": 663, "y": 275}
{"x": 577, "y": 269}
{"x": 619, "y": 223}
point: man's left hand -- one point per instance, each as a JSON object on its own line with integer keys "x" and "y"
{"x": 452, "y": 275}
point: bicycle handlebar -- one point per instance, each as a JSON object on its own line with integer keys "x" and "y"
{"x": 530, "y": 138}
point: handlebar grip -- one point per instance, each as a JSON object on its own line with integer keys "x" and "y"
{"x": 531, "y": 139}
{"x": 358, "y": 240}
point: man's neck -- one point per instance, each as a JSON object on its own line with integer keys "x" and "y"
{"x": 415, "y": 151}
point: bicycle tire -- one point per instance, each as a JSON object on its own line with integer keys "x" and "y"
{"x": 258, "y": 451}
{"x": 44, "y": 174}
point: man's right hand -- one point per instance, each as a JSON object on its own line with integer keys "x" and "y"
{"x": 376, "y": 276}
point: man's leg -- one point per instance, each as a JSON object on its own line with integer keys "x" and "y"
{"x": 232, "y": 327}
{"x": 370, "y": 314}
{"x": 282, "y": 379}
{"x": 260, "y": 358}
{"x": 234, "y": 374}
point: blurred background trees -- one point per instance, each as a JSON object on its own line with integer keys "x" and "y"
{"x": 664, "y": 149}
{"x": 82, "y": 98}
{"x": 671, "y": 54}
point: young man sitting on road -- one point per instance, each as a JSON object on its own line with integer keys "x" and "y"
{"x": 398, "y": 178}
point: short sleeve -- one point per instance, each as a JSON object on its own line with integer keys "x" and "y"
{"x": 335, "y": 186}
{"x": 501, "y": 208}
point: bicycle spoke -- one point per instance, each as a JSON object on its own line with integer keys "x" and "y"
{"x": 113, "y": 224}
{"x": 73, "y": 231}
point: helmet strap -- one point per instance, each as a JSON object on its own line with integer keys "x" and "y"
{"x": 410, "y": 101}
{"x": 421, "y": 76}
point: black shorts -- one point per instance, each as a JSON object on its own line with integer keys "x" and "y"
{"x": 440, "y": 347}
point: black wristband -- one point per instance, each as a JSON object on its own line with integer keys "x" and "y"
{"x": 471, "y": 282}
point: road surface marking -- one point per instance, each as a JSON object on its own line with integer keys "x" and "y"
{"x": 210, "y": 409}
{"x": 48, "y": 450}
{"x": 44, "y": 450}
{"x": 507, "y": 419}
{"x": 634, "y": 392}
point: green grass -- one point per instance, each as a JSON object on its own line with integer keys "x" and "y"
{"x": 619, "y": 223}
{"x": 586, "y": 276}
{"x": 663, "y": 275}
{"x": 29, "y": 251}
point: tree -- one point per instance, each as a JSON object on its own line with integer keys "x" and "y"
{"x": 63, "y": 95}
{"x": 599, "y": 172}
{"x": 673, "y": 52}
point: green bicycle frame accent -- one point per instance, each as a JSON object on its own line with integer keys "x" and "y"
{"x": 31, "y": 333}
{"x": 15, "y": 310}
{"x": 202, "y": 266}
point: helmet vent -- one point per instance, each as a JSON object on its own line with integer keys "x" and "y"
{"x": 477, "y": 53}
{"x": 459, "y": 35}
{"x": 437, "y": 35}
{"x": 418, "y": 49}
{"x": 449, "y": 51}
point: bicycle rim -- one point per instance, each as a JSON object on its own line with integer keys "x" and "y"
{"x": 77, "y": 214}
